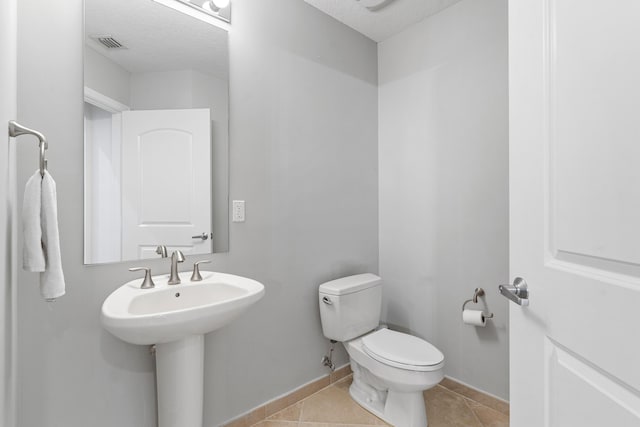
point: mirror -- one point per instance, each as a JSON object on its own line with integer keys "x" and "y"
{"x": 156, "y": 134}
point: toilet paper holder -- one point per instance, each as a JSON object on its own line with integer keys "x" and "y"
{"x": 478, "y": 292}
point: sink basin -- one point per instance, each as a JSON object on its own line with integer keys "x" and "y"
{"x": 171, "y": 312}
{"x": 175, "y": 319}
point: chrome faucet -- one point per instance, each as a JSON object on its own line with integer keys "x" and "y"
{"x": 162, "y": 251}
{"x": 176, "y": 257}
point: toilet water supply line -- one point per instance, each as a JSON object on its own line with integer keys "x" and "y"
{"x": 327, "y": 359}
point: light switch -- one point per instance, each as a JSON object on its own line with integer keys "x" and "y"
{"x": 238, "y": 210}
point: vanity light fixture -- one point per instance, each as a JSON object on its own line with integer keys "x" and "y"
{"x": 210, "y": 11}
{"x": 211, "y": 6}
{"x": 220, "y": 4}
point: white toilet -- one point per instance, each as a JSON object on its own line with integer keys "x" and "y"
{"x": 390, "y": 369}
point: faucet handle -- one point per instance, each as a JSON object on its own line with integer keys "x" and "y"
{"x": 147, "y": 283}
{"x": 196, "y": 277}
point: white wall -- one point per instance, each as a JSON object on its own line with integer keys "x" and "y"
{"x": 8, "y": 259}
{"x": 304, "y": 157}
{"x": 162, "y": 90}
{"x": 177, "y": 89}
{"x": 444, "y": 184}
{"x": 103, "y": 198}
{"x": 105, "y": 76}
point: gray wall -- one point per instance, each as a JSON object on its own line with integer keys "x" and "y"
{"x": 8, "y": 40}
{"x": 303, "y": 156}
{"x": 444, "y": 184}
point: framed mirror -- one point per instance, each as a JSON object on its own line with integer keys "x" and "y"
{"x": 156, "y": 137}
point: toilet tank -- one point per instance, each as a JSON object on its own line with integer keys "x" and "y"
{"x": 350, "y": 306}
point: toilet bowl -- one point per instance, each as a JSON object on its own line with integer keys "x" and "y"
{"x": 390, "y": 384}
{"x": 390, "y": 369}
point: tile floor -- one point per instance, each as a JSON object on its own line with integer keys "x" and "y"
{"x": 449, "y": 404}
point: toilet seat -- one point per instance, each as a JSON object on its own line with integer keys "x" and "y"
{"x": 402, "y": 351}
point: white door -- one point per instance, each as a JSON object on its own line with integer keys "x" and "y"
{"x": 166, "y": 182}
{"x": 575, "y": 212}
{"x": 8, "y": 187}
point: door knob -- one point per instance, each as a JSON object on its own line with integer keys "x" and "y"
{"x": 517, "y": 292}
{"x": 203, "y": 236}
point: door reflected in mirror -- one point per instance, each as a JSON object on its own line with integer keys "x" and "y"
{"x": 156, "y": 132}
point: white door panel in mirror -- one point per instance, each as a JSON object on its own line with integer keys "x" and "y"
{"x": 165, "y": 164}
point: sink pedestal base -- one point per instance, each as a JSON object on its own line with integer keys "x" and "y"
{"x": 180, "y": 382}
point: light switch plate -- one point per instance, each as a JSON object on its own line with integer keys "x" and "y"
{"x": 238, "y": 211}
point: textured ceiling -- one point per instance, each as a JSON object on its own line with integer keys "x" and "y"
{"x": 385, "y": 22}
{"x": 157, "y": 38}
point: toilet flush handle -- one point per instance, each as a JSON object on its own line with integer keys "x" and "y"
{"x": 327, "y": 300}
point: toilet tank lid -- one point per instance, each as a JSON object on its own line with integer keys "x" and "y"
{"x": 350, "y": 284}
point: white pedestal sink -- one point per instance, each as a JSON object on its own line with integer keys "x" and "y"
{"x": 175, "y": 318}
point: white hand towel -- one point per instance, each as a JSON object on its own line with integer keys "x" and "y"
{"x": 33, "y": 254}
{"x": 52, "y": 284}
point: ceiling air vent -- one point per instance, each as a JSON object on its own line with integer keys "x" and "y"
{"x": 109, "y": 42}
